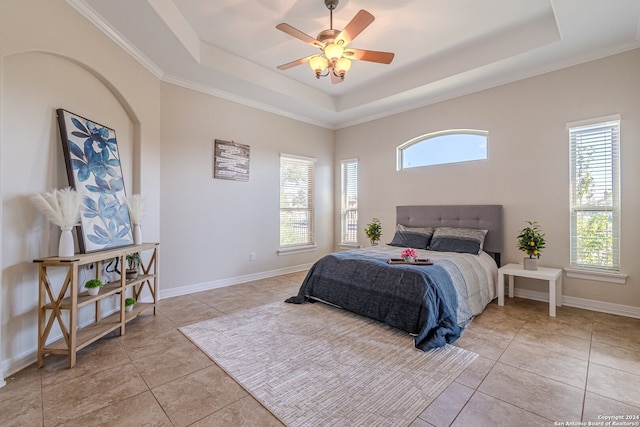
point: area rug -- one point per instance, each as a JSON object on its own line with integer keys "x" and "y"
{"x": 316, "y": 365}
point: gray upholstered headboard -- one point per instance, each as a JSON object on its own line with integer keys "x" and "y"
{"x": 485, "y": 217}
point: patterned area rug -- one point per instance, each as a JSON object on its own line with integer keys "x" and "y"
{"x": 316, "y": 365}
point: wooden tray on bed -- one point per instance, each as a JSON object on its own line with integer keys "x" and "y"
{"x": 418, "y": 261}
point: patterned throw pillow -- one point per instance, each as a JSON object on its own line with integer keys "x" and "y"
{"x": 463, "y": 240}
{"x": 412, "y": 237}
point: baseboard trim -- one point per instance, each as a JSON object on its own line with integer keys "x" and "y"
{"x": 221, "y": 283}
{"x": 587, "y": 304}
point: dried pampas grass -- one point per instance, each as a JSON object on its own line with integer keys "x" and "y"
{"x": 136, "y": 206}
{"x": 61, "y": 207}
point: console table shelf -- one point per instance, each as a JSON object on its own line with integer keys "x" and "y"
{"x": 68, "y": 299}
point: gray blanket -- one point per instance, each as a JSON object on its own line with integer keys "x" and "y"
{"x": 419, "y": 299}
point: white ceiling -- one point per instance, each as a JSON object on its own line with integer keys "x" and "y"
{"x": 443, "y": 48}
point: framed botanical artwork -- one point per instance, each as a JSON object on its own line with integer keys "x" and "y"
{"x": 93, "y": 167}
{"x": 230, "y": 160}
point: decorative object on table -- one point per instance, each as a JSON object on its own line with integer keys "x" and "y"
{"x": 129, "y": 303}
{"x": 230, "y": 160}
{"x": 133, "y": 262}
{"x": 531, "y": 241}
{"x": 409, "y": 255}
{"x": 374, "y": 231}
{"x": 93, "y": 168}
{"x": 93, "y": 286}
{"x": 137, "y": 211}
{"x": 61, "y": 207}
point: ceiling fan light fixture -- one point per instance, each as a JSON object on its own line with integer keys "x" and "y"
{"x": 333, "y": 52}
{"x": 318, "y": 64}
{"x": 342, "y": 66}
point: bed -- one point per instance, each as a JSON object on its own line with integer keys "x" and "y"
{"x": 432, "y": 302}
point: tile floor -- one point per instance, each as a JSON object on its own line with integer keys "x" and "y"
{"x": 533, "y": 370}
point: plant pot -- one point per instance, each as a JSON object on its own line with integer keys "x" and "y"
{"x": 93, "y": 291}
{"x": 132, "y": 273}
{"x": 65, "y": 245}
{"x": 409, "y": 260}
{"x": 129, "y": 307}
{"x": 530, "y": 263}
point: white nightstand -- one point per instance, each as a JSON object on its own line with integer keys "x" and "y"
{"x": 553, "y": 275}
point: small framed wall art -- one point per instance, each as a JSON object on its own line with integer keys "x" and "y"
{"x": 230, "y": 160}
{"x": 93, "y": 167}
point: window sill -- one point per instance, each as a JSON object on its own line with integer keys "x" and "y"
{"x": 348, "y": 245}
{"x": 296, "y": 250}
{"x": 600, "y": 276}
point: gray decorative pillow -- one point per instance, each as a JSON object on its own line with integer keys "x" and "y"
{"x": 412, "y": 237}
{"x": 463, "y": 240}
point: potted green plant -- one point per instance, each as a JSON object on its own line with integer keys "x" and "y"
{"x": 531, "y": 241}
{"x": 93, "y": 286}
{"x": 374, "y": 231}
{"x": 129, "y": 303}
{"x": 133, "y": 262}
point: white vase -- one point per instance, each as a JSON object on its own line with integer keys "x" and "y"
{"x": 137, "y": 234}
{"x": 409, "y": 259}
{"x": 65, "y": 245}
{"x": 530, "y": 263}
{"x": 128, "y": 307}
{"x": 93, "y": 291}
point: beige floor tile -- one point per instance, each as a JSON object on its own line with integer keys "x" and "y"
{"x": 444, "y": 409}
{"x": 615, "y": 321}
{"x": 103, "y": 354}
{"x": 187, "y": 312}
{"x": 476, "y": 372}
{"x": 139, "y": 410}
{"x": 489, "y": 346}
{"x": 542, "y": 323}
{"x": 496, "y": 324}
{"x": 542, "y": 396}
{"x": 141, "y": 346}
{"x": 595, "y": 406}
{"x": 621, "y": 336}
{"x": 79, "y": 396}
{"x": 21, "y": 399}
{"x": 619, "y": 358}
{"x": 246, "y": 412}
{"x": 563, "y": 344}
{"x": 549, "y": 364}
{"x": 486, "y": 411}
{"x": 171, "y": 364}
{"x": 614, "y": 384}
{"x": 196, "y": 396}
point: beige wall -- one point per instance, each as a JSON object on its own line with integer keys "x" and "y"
{"x": 527, "y": 170}
{"x": 54, "y": 58}
{"x": 213, "y": 225}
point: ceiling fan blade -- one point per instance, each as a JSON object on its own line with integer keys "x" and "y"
{"x": 369, "y": 55}
{"x": 335, "y": 79}
{"x": 355, "y": 27}
{"x": 294, "y": 32}
{"x": 296, "y": 62}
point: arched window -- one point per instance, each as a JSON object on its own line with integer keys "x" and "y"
{"x": 449, "y": 146}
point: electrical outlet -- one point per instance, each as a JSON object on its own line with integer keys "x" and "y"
{"x": 252, "y": 256}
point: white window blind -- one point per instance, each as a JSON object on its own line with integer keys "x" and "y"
{"x": 349, "y": 201}
{"x": 296, "y": 201}
{"x": 595, "y": 194}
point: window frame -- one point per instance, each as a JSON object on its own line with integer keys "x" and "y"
{"x": 610, "y": 147}
{"x": 309, "y": 244}
{"x": 348, "y": 214}
{"x": 433, "y": 135}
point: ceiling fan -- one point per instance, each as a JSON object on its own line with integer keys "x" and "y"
{"x": 335, "y": 57}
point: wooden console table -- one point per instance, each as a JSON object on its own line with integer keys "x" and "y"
{"x": 52, "y": 303}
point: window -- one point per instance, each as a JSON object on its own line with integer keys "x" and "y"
{"x": 296, "y": 201}
{"x": 349, "y": 201}
{"x": 595, "y": 194}
{"x": 450, "y": 146}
